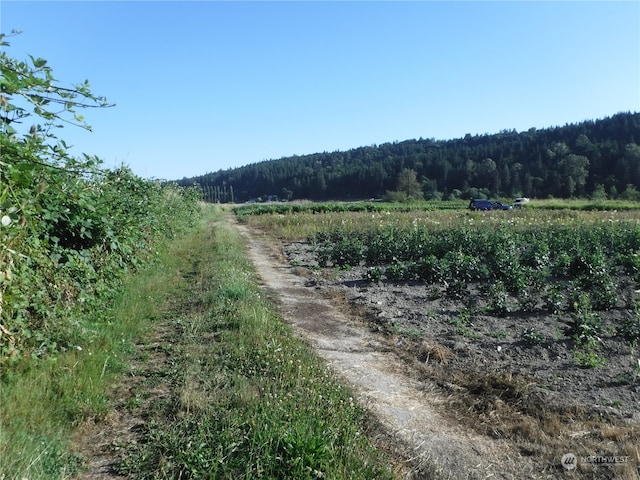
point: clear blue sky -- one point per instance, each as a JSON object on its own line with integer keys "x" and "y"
{"x": 209, "y": 85}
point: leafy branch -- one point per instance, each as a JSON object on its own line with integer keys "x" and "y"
{"x": 29, "y": 89}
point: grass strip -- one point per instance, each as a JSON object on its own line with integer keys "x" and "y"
{"x": 45, "y": 399}
{"x": 248, "y": 399}
{"x": 243, "y": 398}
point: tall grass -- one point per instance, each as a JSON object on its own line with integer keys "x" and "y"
{"x": 43, "y": 399}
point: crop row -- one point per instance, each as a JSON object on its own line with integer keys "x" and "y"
{"x": 288, "y": 208}
{"x": 545, "y": 267}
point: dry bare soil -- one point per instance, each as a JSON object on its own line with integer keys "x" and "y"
{"x": 460, "y": 399}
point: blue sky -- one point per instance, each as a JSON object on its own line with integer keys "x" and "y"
{"x": 208, "y": 85}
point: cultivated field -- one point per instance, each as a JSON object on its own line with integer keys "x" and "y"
{"x": 527, "y": 320}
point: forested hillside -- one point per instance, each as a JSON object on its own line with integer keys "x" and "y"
{"x": 594, "y": 158}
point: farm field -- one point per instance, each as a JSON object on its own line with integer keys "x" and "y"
{"x": 527, "y": 321}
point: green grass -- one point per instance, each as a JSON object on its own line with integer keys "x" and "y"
{"x": 245, "y": 398}
{"x": 582, "y": 204}
{"x": 252, "y": 400}
{"x": 44, "y": 399}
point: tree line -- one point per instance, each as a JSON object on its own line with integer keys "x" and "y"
{"x": 595, "y": 158}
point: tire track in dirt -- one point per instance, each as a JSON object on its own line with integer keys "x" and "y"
{"x": 433, "y": 446}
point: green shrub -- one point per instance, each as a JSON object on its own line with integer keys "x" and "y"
{"x": 69, "y": 230}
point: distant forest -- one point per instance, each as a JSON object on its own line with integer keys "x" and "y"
{"x": 593, "y": 159}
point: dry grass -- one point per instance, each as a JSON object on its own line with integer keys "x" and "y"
{"x": 503, "y": 406}
{"x": 428, "y": 351}
{"x": 509, "y": 406}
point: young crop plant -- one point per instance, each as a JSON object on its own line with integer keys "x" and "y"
{"x": 382, "y": 245}
{"x": 373, "y": 275}
{"x": 531, "y": 336}
{"x": 455, "y": 289}
{"x": 499, "y": 302}
{"x": 630, "y": 263}
{"x": 528, "y": 300}
{"x": 401, "y": 271}
{"x": 339, "y": 247}
{"x": 560, "y": 265}
{"x": 462, "y": 324}
{"x": 457, "y": 265}
{"x": 585, "y": 328}
{"x": 602, "y": 288}
{"x": 536, "y": 253}
{"x": 517, "y": 280}
{"x": 629, "y": 325}
{"x": 429, "y": 269}
{"x": 592, "y": 272}
{"x": 555, "y": 298}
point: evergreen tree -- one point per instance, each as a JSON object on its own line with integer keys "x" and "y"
{"x": 409, "y": 184}
{"x": 562, "y": 161}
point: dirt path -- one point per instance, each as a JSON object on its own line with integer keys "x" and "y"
{"x": 408, "y": 412}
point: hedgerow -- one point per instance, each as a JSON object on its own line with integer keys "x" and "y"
{"x": 69, "y": 229}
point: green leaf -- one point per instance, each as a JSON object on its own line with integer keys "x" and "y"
{"x": 38, "y": 62}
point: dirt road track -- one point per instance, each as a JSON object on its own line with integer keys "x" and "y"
{"x": 410, "y": 416}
